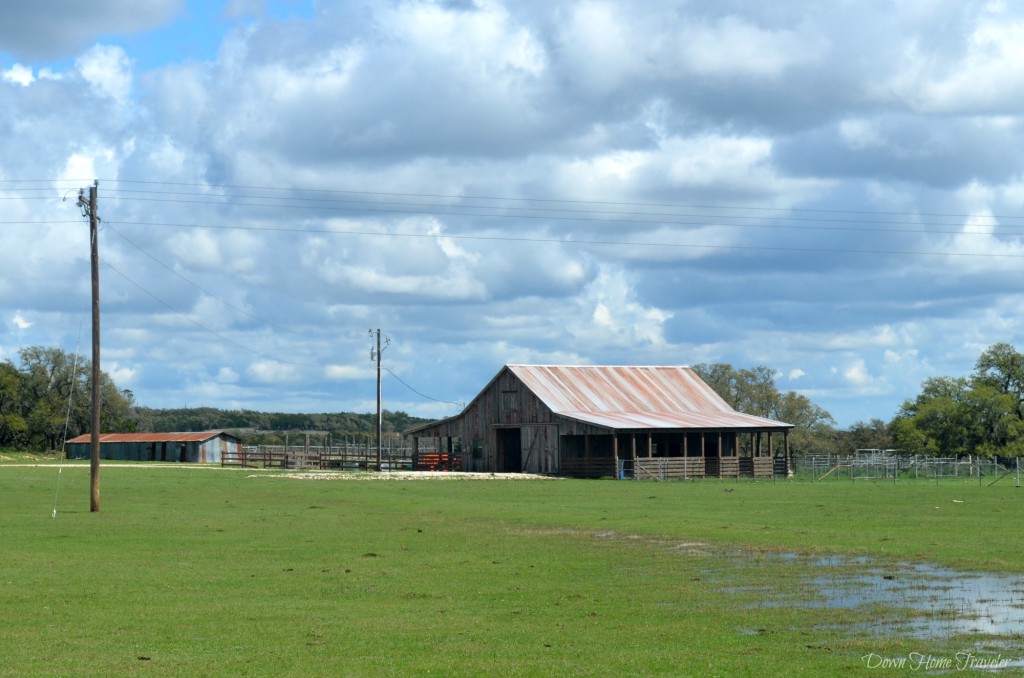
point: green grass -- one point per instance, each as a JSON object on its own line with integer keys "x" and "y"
{"x": 190, "y": 571}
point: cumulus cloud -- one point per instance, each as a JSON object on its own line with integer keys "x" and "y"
{"x": 823, "y": 188}
{"x": 109, "y": 70}
{"x": 19, "y": 74}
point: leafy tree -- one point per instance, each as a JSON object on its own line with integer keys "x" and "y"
{"x": 1001, "y": 367}
{"x": 814, "y": 428}
{"x": 979, "y": 415}
{"x": 56, "y": 394}
{"x": 753, "y": 391}
{"x": 13, "y": 427}
{"x": 939, "y": 417}
{"x": 870, "y": 435}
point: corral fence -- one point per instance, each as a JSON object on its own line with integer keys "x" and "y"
{"x": 886, "y": 465}
{"x": 347, "y": 457}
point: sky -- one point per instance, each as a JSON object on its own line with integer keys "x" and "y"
{"x": 832, "y": 190}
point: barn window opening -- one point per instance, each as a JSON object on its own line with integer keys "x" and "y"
{"x": 510, "y": 401}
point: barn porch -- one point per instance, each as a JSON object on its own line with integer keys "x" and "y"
{"x": 661, "y": 455}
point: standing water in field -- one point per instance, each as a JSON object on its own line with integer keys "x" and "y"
{"x": 950, "y": 602}
{"x": 941, "y": 602}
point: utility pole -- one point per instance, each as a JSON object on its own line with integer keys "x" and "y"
{"x": 375, "y": 355}
{"x": 89, "y": 208}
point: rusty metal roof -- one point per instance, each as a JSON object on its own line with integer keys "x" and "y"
{"x": 634, "y": 397}
{"x": 199, "y": 436}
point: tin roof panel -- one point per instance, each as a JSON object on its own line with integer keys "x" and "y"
{"x": 634, "y": 397}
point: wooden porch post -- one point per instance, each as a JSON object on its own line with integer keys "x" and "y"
{"x": 785, "y": 445}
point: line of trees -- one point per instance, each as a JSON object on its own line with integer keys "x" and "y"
{"x": 49, "y": 393}
{"x": 753, "y": 391}
{"x": 273, "y": 428}
{"x": 980, "y": 415}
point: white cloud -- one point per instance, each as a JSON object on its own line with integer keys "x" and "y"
{"x": 732, "y": 46}
{"x": 272, "y": 372}
{"x": 123, "y": 375}
{"x": 19, "y": 75}
{"x": 226, "y": 375}
{"x": 610, "y": 315}
{"x": 857, "y": 373}
{"x": 109, "y": 70}
{"x": 348, "y": 372}
{"x": 20, "y": 322}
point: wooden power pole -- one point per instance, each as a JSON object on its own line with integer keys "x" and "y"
{"x": 375, "y": 355}
{"x": 90, "y": 208}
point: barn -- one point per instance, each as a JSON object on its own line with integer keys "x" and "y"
{"x": 204, "y": 447}
{"x": 598, "y": 421}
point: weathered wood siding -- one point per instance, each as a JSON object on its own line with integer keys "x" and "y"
{"x": 540, "y": 448}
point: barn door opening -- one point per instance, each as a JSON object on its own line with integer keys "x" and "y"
{"x": 510, "y": 450}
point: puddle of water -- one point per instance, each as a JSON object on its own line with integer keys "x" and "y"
{"x": 945, "y": 602}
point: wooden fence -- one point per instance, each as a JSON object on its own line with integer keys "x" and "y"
{"x": 684, "y": 468}
{"x": 343, "y": 457}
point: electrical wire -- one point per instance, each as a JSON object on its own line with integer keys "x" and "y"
{"x": 565, "y": 241}
{"x": 422, "y": 395}
{"x": 558, "y": 200}
{"x": 200, "y": 325}
{"x": 202, "y": 289}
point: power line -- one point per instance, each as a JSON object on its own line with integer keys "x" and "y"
{"x": 561, "y": 200}
{"x": 511, "y": 199}
{"x": 564, "y": 241}
{"x": 422, "y": 395}
{"x": 204, "y": 290}
{"x": 202, "y": 326}
{"x": 556, "y": 214}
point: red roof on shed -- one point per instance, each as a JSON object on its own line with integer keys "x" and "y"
{"x": 200, "y": 436}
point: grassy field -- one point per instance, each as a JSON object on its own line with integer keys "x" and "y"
{"x": 189, "y": 571}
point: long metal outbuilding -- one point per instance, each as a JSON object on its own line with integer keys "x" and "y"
{"x": 594, "y": 421}
{"x": 202, "y": 447}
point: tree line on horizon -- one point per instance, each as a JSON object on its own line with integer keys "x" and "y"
{"x": 979, "y": 415}
{"x": 46, "y": 396}
{"x": 45, "y": 399}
